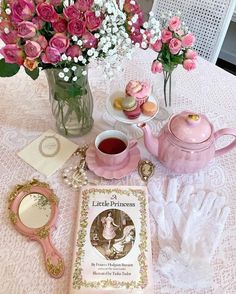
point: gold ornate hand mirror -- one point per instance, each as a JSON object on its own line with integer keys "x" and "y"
{"x": 33, "y": 211}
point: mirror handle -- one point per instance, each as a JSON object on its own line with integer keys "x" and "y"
{"x": 53, "y": 259}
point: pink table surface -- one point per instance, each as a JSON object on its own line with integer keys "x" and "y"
{"x": 25, "y": 113}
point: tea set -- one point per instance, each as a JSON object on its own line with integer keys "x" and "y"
{"x": 185, "y": 144}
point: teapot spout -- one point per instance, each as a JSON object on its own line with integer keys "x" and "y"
{"x": 150, "y": 141}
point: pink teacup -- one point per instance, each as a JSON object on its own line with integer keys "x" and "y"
{"x": 113, "y": 147}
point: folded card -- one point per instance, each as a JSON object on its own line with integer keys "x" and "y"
{"x": 112, "y": 247}
{"x": 48, "y": 152}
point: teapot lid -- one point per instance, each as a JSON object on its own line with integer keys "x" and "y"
{"x": 190, "y": 127}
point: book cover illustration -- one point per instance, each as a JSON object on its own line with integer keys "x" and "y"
{"x": 112, "y": 251}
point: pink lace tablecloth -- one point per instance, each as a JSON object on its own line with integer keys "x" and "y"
{"x": 25, "y": 113}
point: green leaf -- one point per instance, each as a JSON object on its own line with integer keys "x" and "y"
{"x": 33, "y": 74}
{"x": 59, "y": 9}
{"x": 8, "y": 69}
{"x": 177, "y": 59}
{"x": 73, "y": 91}
{"x": 166, "y": 67}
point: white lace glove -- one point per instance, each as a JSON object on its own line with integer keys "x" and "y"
{"x": 167, "y": 235}
{"x": 189, "y": 235}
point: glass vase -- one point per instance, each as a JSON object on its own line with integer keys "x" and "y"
{"x": 71, "y": 102}
{"x": 167, "y": 89}
{"x": 165, "y": 101}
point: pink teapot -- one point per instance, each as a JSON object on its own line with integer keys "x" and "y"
{"x": 187, "y": 142}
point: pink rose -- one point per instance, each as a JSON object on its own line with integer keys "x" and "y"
{"x": 157, "y": 46}
{"x": 42, "y": 42}
{"x": 71, "y": 12}
{"x": 22, "y": 10}
{"x": 60, "y": 42}
{"x": 174, "y": 46}
{"x": 76, "y": 27}
{"x": 93, "y": 23}
{"x": 156, "y": 67}
{"x": 26, "y": 29}
{"x": 37, "y": 21}
{"x": 52, "y": 55}
{"x": 12, "y": 54}
{"x": 10, "y": 38}
{"x": 188, "y": 40}
{"x": 89, "y": 41}
{"x": 56, "y": 2}
{"x": 46, "y": 12}
{"x": 73, "y": 51}
{"x": 84, "y": 5}
{"x": 174, "y": 23}
{"x": 190, "y": 54}
{"x": 39, "y": 1}
{"x": 139, "y": 22}
{"x": 136, "y": 37}
{"x": 5, "y": 24}
{"x": 32, "y": 49}
{"x": 60, "y": 25}
{"x": 189, "y": 64}
{"x": 131, "y": 7}
{"x": 166, "y": 36}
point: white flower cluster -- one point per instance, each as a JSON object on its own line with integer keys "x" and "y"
{"x": 152, "y": 26}
{"x": 114, "y": 42}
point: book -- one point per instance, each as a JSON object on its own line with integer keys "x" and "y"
{"x": 112, "y": 251}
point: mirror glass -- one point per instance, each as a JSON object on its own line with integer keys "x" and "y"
{"x": 34, "y": 210}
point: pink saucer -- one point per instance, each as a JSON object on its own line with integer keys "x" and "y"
{"x": 112, "y": 172}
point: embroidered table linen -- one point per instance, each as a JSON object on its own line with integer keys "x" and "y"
{"x": 25, "y": 114}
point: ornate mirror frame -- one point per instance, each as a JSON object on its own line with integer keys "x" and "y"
{"x": 53, "y": 259}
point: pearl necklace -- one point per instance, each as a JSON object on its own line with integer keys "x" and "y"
{"x": 75, "y": 176}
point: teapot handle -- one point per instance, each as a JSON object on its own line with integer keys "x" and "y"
{"x": 223, "y": 132}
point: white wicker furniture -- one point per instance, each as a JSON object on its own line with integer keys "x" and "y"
{"x": 208, "y": 20}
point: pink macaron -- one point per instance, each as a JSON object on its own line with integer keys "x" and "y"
{"x": 134, "y": 113}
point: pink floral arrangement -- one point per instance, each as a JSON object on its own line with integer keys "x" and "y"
{"x": 64, "y": 34}
{"x": 174, "y": 47}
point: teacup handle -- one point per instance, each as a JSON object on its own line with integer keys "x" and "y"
{"x": 223, "y": 132}
{"x": 132, "y": 143}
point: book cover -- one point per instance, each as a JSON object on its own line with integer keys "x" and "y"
{"x": 112, "y": 252}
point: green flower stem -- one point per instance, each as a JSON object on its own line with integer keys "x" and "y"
{"x": 167, "y": 78}
{"x": 71, "y": 102}
{"x": 60, "y": 103}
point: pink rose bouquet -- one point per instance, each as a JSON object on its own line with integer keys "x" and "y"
{"x": 174, "y": 47}
{"x": 42, "y": 34}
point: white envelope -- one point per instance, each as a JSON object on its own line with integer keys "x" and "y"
{"x": 48, "y": 152}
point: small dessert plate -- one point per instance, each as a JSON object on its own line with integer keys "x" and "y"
{"x": 121, "y": 117}
{"x": 112, "y": 172}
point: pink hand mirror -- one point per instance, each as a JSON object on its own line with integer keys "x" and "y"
{"x": 33, "y": 211}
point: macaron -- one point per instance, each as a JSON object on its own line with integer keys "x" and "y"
{"x": 149, "y": 108}
{"x": 140, "y": 90}
{"x": 117, "y": 103}
{"x": 134, "y": 113}
{"x": 133, "y": 87}
{"x": 129, "y": 103}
